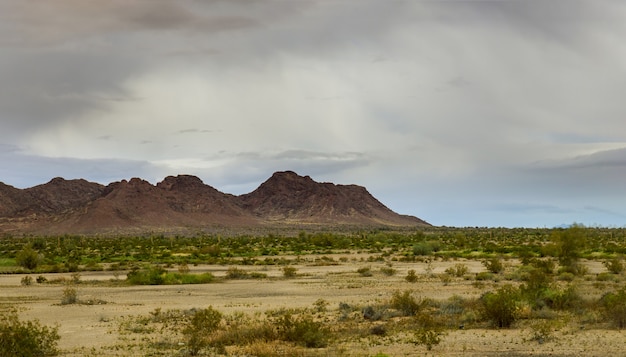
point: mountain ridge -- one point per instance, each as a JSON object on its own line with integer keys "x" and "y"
{"x": 185, "y": 203}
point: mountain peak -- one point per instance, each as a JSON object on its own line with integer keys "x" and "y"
{"x": 185, "y": 203}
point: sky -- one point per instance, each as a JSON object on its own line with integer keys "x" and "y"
{"x": 463, "y": 113}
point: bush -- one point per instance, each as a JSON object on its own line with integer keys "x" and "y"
{"x": 200, "y": 327}
{"x": 153, "y": 276}
{"x": 405, "y": 303}
{"x": 494, "y": 265}
{"x": 70, "y": 296}
{"x": 302, "y": 330}
{"x": 389, "y": 271}
{"x": 411, "y": 276}
{"x": 429, "y": 333}
{"x": 615, "y": 307}
{"x": 422, "y": 249}
{"x": 26, "y": 338}
{"x": 615, "y": 265}
{"x": 365, "y": 271}
{"x": 501, "y": 307}
{"x": 236, "y": 273}
{"x": 27, "y": 258}
{"x": 457, "y": 270}
{"x": 27, "y": 280}
{"x": 290, "y": 272}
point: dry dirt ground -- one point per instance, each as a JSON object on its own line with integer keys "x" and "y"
{"x": 94, "y": 329}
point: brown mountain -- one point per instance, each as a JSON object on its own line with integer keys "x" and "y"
{"x": 288, "y": 197}
{"x": 184, "y": 203}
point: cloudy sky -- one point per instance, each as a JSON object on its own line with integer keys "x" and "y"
{"x": 463, "y": 113}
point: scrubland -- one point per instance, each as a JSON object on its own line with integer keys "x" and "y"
{"x": 378, "y": 292}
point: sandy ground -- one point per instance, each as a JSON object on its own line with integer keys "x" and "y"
{"x": 95, "y": 326}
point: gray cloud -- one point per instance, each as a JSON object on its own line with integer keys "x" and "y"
{"x": 461, "y": 112}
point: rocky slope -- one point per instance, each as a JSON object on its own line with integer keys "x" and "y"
{"x": 185, "y": 203}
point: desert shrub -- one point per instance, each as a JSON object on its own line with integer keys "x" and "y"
{"x": 606, "y": 276}
{"x": 183, "y": 268}
{"x": 411, "y": 276}
{"x": 615, "y": 265}
{"x": 494, "y": 265}
{"x": 159, "y": 276}
{"x": 26, "y": 281}
{"x": 569, "y": 244}
{"x": 500, "y": 307}
{"x": 199, "y": 329}
{"x": 389, "y": 271}
{"x": 614, "y": 304}
{"x": 236, "y": 273}
{"x": 545, "y": 265}
{"x": 543, "y": 330}
{"x": 70, "y": 296}
{"x": 536, "y": 283}
{"x": 378, "y": 330}
{"x": 422, "y": 248}
{"x": 458, "y": 270}
{"x": 371, "y": 313}
{"x": 365, "y": 271}
{"x": 405, "y": 303}
{"x": 321, "y": 305}
{"x": 26, "y": 338}
{"x": 28, "y": 258}
{"x": 302, "y": 330}
{"x": 562, "y": 299}
{"x": 290, "y": 272}
{"x": 429, "y": 333}
{"x": 484, "y": 275}
{"x": 41, "y": 279}
{"x": 153, "y": 276}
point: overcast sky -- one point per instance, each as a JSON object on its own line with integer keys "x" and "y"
{"x": 463, "y": 113}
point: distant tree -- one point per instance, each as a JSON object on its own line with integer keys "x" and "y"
{"x": 27, "y": 258}
{"x": 569, "y": 245}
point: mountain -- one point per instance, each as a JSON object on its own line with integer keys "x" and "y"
{"x": 184, "y": 203}
{"x": 288, "y": 197}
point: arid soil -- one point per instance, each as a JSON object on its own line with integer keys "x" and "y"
{"x": 94, "y": 329}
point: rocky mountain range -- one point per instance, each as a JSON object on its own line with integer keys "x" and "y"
{"x": 184, "y": 203}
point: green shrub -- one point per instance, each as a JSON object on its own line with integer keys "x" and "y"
{"x": 236, "y": 273}
{"x": 563, "y": 299}
{"x": 615, "y": 265}
{"x": 614, "y": 304}
{"x": 458, "y": 270}
{"x": 26, "y": 338}
{"x": 28, "y": 258}
{"x": 422, "y": 249}
{"x": 429, "y": 333}
{"x": 484, "y": 275}
{"x": 500, "y": 307}
{"x": 199, "y": 329}
{"x": 153, "y": 276}
{"x": 606, "y": 276}
{"x": 494, "y": 265}
{"x": 545, "y": 265}
{"x": 302, "y": 330}
{"x": 405, "y": 303}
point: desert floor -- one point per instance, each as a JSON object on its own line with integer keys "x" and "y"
{"x": 94, "y": 329}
